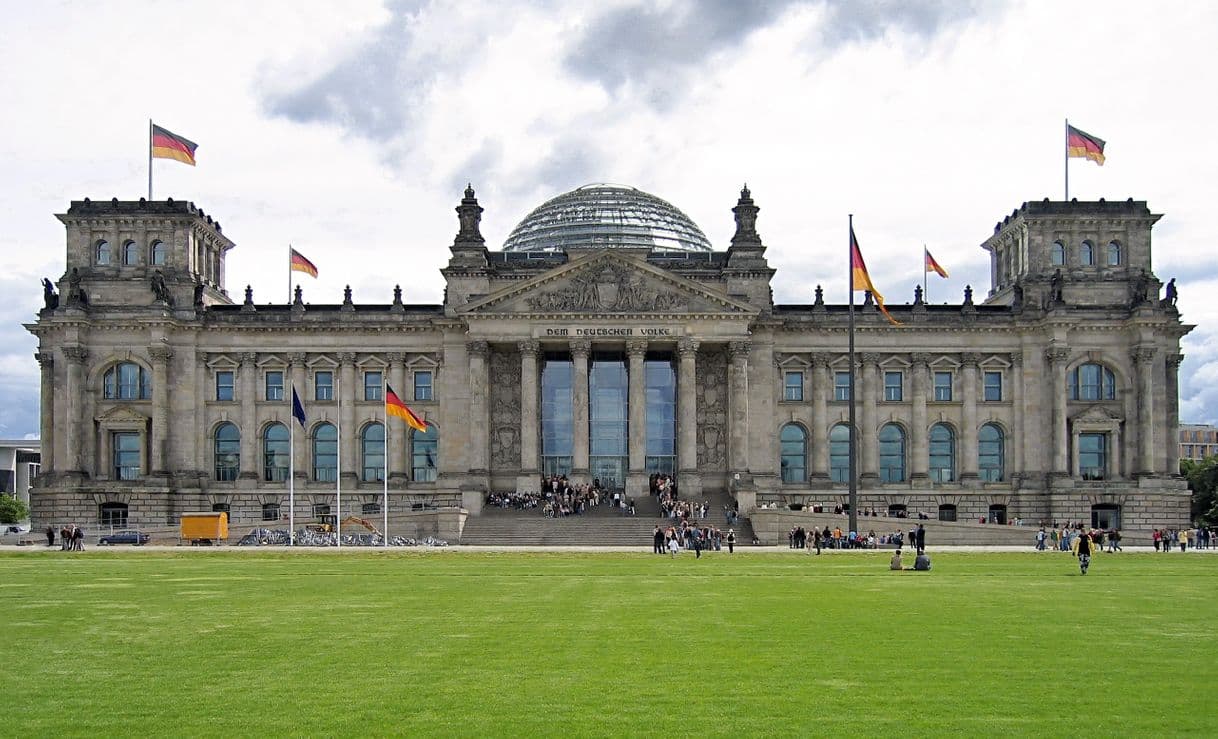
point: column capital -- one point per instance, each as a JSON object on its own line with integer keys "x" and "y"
{"x": 970, "y": 359}
{"x": 392, "y": 357}
{"x": 45, "y": 359}
{"x": 297, "y": 358}
{"x": 1057, "y": 354}
{"x": 739, "y": 349}
{"x": 76, "y": 354}
{"x": 820, "y": 360}
{"x": 477, "y": 348}
{"x": 687, "y": 347}
{"x": 1142, "y": 354}
{"x": 201, "y": 356}
{"x": 920, "y": 359}
{"x": 1016, "y": 359}
{"x": 636, "y": 347}
{"x": 346, "y": 357}
{"x": 160, "y": 353}
{"x": 869, "y": 358}
{"x": 247, "y": 358}
{"x": 581, "y": 347}
{"x": 1174, "y": 360}
{"x": 529, "y": 347}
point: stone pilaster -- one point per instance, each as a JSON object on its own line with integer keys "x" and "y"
{"x": 300, "y": 440}
{"x": 349, "y": 462}
{"x": 636, "y": 405}
{"x": 737, "y": 407}
{"x": 249, "y": 416}
{"x": 966, "y": 455}
{"x": 46, "y": 424}
{"x": 1057, "y": 358}
{"x": 1014, "y": 461}
{"x": 689, "y": 482}
{"x": 821, "y": 387}
{"x": 579, "y": 408}
{"x": 1143, "y": 359}
{"x": 202, "y": 384}
{"x": 76, "y": 356}
{"x": 395, "y": 465}
{"x": 479, "y": 406}
{"x": 530, "y": 412}
{"x": 1171, "y": 461}
{"x": 868, "y": 444}
{"x": 162, "y": 434}
{"x": 920, "y": 462}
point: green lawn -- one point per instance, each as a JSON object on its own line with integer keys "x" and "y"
{"x": 241, "y": 643}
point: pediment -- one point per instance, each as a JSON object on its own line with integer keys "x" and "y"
{"x": 1095, "y": 414}
{"x": 607, "y": 283}
{"x": 122, "y": 415}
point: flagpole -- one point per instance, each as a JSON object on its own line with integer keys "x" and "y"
{"x": 854, "y": 488}
{"x": 289, "y": 274}
{"x": 925, "y": 283}
{"x": 292, "y": 468}
{"x": 149, "y": 160}
{"x": 338, "y": 465}
{"x": 1066, "y": 159}
{"x": 385, "y": 463}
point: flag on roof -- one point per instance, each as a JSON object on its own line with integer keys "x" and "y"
{"x": 169, "y": 145}
{"x": 860, "y": 280}
{"x": 932, "y": 265}
{"x": 1083, "y": 145}
{"x": 300, "y": 263}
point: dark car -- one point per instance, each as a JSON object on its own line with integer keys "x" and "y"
{"x": 138, "y": 538}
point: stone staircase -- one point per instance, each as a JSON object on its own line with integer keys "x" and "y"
{"x": 602, "y": 526}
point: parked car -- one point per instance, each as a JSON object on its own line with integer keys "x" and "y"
{"x": 138, "y": 538}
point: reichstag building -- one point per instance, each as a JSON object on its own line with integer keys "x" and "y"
{"x": 608, "y": 339}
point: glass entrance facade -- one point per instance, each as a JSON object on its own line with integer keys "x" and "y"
{"x": 608, "y": 414}
{"x": 557, "y": 424}
{"x": 661, "y": 392}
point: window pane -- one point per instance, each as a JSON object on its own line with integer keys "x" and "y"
{"x": 423, "y": 447}
{"x": 892, "y": 454}
{"x": 130, "y": 254}
{"x": 1058, "y": 253}
{"x": 993, "y": 386}
{"x": 793, "y": 386}
{"x": 372, "y": 385}
{"x": 893, "y": 390}
{"x": 325, "y": 453}
{"x": 126, "y": 456}
{"x": 839, "y": 453}
{"x": 990, "y": 453}
{"x": 942, "y": 454}
{"x": 943, "y": 386}
{"x": 660, "y": 389}
{"x": 103, "y": 253}
{"x": 270, "y": 511}
{"x": 841, "y": 386}
{"x": 275, "y": 451}
{"x": 227, "y": 452}
{"x": 274, "y": 385}
{"x": 323, "y": 386}
{"x": 373, "y": 452}
{"x": 1086, "y": 254}
{"x": 1093, "y": 456}
{"x": 224, "y": 385}
{"x": 158, "y": 254}
{"x": 1114, "y": 254}
{"x": 422, "y": 386}
{"x": 794, "y": 462}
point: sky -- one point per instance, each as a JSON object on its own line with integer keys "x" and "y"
{"x": 349, "y": 130}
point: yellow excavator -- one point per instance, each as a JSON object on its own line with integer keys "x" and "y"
{"x": 329, "y": 523}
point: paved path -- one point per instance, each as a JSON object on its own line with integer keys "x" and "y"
{"x": 749, "y": 550}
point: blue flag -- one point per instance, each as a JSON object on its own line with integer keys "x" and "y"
{"x": 297, "y": 408}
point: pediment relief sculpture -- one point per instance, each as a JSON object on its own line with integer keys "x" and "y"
{"x": 611, "y": 288}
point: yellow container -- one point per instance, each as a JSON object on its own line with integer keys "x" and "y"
{"x": 206, "y": 527}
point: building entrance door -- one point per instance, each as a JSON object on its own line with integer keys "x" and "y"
{"x": 611, "y": 471}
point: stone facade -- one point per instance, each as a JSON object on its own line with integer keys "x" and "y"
{"x": 1071, "y": 349}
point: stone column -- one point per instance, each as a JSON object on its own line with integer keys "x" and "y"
{"x": 202, "y": 385}
{"x": 1143, "y": 359}
{"x": 249, "y": 416}
{"x": 967, "y": 453}
{"x": 1014, "y": 462}
{"x": 636, "y": 429}
{"x": 300, "y": 441}
{"x": 1171, "y": 461}
{"x": 1057, "y": 357}
{"x": 76, "y": 356}
{"x": 579, "y": 408}
{"x": 689, "y": 482}
{"x": 395, "y": 465}
{"x": 920, "y": 466}
{"x": 479, "y": 407}
{"x": 530, "y": 411}
{"x": 46, "y": 422}
{"x": 161, "y": 355}
{"x": 821, "y": 387}
{"x": 347, "y": 446}
{"x": 737, "y": 406}
{"x": 868, "y": 444}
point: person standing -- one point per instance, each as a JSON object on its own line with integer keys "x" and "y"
{"x": 50, "y": 536}
{"x": 657, "y": 537}
{"x": 817, "y": 539}
{"x": 673, "y": 547}
{"x": 1183, "y": 539}
{"x": 1083, "y": 550}
{"x": 1041, "y": 536}
{"x": 731, "y": 541}
{"x": 921, "y": 539}
{"x": 1114, "y": 541}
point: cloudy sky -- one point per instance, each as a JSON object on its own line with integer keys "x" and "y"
{"x": 350, "y": 128}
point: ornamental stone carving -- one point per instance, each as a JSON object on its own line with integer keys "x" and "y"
{"x": 1142, "y": 354}
{"x": 712, "y": 409}
{"x": 687, "y": 347}
{"x": 45, "y": 359}
{"x": 1174, "y": 360}
{"x": 635, "y": 348}
{"x": 76, "y": 354}
{"x": 505, "y": 410}
{"x": 1057, "y": 355}
{"x": 970, "y": 359}
{"x": 581, "y": 347}
{"x": 297, "y": 358}
{"x": 530, "y": 346}
{"x": 613, "y": 288}
{"x": 739, "y": 349}
{"x": 920, "y": 359}
{"x": 247, "y": 358}
{"x": 820, "y": 359}
{"x": 869, "y": 358}
{"x": 477, "y": 348}
{"x": 346, "y": 357}
{"x": 160, "y": 354}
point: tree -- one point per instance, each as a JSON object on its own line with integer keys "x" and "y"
{"x": 12, "y": 510}
{"x": 1202, "y": 476}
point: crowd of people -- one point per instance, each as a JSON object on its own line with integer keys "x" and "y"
{"x": 836, "y": 538}
{"x": 559, "y": 497}
{"x": 1166, "y": 540}
{"x": 71, "y": 538}
{"x": 691, "y": 537}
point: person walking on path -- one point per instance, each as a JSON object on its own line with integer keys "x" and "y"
{"x": 731, "y": 541}
{"x": 673, "y": 547}
{"x": 1114, "y": 541}
{"x": 1082, "y": 548}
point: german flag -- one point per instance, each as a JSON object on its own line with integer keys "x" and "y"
{"x": 1083, "y": 145}
{"x": 860, "y": 280}
{"x": 932, "y": 265}
{"x": 299, "y": 263}
{"x": 168, "y": 145}
{"x": 395, "y": 407}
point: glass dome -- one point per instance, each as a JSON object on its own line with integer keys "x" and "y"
{"x": 606, "y": 217}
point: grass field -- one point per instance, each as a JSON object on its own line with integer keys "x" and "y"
{"x": 244, "y": 643}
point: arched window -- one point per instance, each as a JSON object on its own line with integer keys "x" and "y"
{"x": 112, "y": 515}
{"x": 1057, "y": 253}
{"x": 794, "y": 453}
{"x": 372, "y": 449}
{"x": 227, "y": 452}
{"x": 839, "y": 453}
{"x": 126, "y": 381}
{"x": 947, "y": 512}
{"x": 101, "y": 253}
{"x": 423, "y": 448}
{"x": 892, "y": 453}
{"x": 991, "y": 456}
{"x": 276, "y": 450}
{"x": 131, "y": 254}
{"x": 325, "y": 453}
{"x": 942, "y": 453}
{"x": 156, "y": 254}
{"x": 1086, "y": 254}
{"x": 1091, "y": 381}
{"x": 1114, "y": 254}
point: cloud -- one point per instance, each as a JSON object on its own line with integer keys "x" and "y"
{"x": 19, "y": 372}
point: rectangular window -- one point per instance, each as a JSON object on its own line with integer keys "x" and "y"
{"x": 372, "y": 385}
{"x": 270, "y": 511}
{"x": 126, "y": 455}
{"x": 1093, "y": 456}
{"x": 793, "y": 386}
{"x": 274, "y": 385}
{"x": 943, "y": 386}
{"x": 224, "y": 385}
{"x": 993, "y": 386}
{"x": 422, "y": 386}
{"x": 894, "y": 390}
{"x": 321, "y": 509}
{"x": 841, "y": 386}
{"x": 323, "y": 385}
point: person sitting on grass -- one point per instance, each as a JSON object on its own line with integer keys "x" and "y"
{"x": 922, "y": 563}
{"x": 895, "y": 564}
